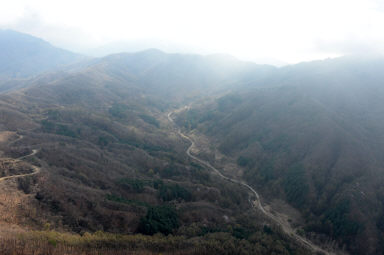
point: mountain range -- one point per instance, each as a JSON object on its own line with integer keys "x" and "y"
{"x": 23, "y": 55}
{"x": 308, "y": 137}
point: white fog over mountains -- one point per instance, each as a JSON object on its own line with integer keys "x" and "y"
{"x": 271, "y": 31}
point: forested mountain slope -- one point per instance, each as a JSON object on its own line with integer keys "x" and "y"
{"x": 311, "y": 134}
{"x": 111, "y": 161}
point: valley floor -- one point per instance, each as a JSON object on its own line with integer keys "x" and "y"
{"x": 278, "y": 218}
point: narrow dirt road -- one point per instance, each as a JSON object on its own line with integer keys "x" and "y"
{"x": 16, "y": 140}
{"x": 36, "y": 169}
{"x": 29, "y": 155}
{"x": 256, "y": 203}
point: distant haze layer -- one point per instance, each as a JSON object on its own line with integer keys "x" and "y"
{"x": 290, "y": 31}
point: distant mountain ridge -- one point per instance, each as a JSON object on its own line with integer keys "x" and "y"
{"x": 166, "y": 46}
{"x": 23, "y": 55}
{"x": 180, "y": 75}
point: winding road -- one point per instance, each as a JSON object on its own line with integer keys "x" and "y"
{"x": 255, "y": 203}
{"x": 36, "y": 169}
{"x": 16, "y": 140}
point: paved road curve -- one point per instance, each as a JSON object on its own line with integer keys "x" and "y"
{"x": 36, "y": 169}
{"x": 256, "y": 203}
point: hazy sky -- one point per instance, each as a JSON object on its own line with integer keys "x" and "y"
{"x": 288, "y": 30}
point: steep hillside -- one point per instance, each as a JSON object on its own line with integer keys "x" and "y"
{"x": 310, "y": 134}
{"x": 112, "y": 162}
{"x": 22, "y": 55}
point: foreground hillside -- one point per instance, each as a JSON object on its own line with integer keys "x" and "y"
{"x": 311, "y": 135}
{"x": 51, "y": 242}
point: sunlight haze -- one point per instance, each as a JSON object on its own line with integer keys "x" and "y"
{"x": 287, "y": 31}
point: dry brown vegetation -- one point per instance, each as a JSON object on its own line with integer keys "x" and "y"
{"x": 112, "y": 165}
{"x": 55, "y": 243}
